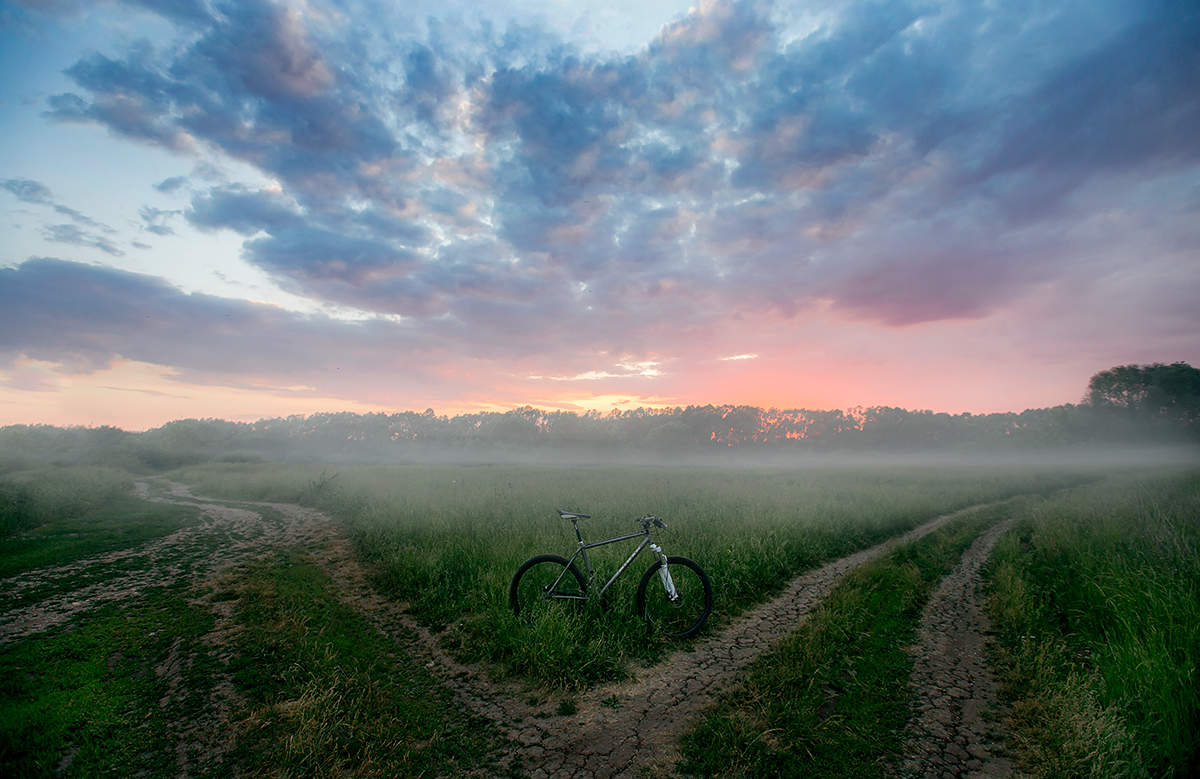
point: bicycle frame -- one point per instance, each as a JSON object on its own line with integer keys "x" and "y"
{"x": 582, "y": 552}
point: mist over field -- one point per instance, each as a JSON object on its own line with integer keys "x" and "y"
{"x": 791, "y": 305}
{"x": 736, "y": 437}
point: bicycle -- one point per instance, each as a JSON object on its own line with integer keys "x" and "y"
{"x": 677, "y": 608}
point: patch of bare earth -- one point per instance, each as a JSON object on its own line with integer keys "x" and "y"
{"x": 951, "y": 734}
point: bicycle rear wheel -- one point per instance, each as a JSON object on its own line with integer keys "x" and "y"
{"x": 687, "y": 613}
{"x": 545, "y": 583}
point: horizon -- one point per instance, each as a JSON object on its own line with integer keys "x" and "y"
{"x": 258, "y": 210}
{"x": 852, "y": 412}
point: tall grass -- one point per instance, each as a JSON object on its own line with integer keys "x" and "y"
{"x": 1096, "y": 600}
{"x": 448, "y": 539}
{"x": 33, "y": 497}
{"x": 52, "y": 515}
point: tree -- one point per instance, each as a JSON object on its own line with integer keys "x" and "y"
{"x": 1170, "y": 392}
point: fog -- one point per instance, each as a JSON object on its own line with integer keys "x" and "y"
{"x": 725, "y": 437}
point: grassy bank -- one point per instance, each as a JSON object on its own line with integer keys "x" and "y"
{"x": 447, "y": 540}
{"x": 1096, "y": 601}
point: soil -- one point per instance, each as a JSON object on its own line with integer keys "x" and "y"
{"x": 952, "y": 732}
{"x": 615, "y": 730}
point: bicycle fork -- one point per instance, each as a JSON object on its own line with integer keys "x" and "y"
{"x": 664, "y": 574}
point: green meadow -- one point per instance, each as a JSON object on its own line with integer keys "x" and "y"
{"x": 447, "y": 540}
{"x": 1093, "y": 593}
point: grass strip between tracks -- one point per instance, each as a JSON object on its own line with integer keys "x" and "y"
{"x": 831, "y": 699}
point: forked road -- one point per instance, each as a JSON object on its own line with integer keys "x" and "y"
{"x": 621, "y": 728}
{"x": 638, "y": 725}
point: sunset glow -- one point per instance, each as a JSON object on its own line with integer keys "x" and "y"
{"x": 264, "y": 209}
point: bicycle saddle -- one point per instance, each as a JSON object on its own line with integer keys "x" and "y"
{"x": 572, "y": 515}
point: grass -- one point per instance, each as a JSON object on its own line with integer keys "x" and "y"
{"x": 86, "y": 700}
{"x": 55, "y": 516}
{"x": 831, "y": 700}
{"x": 319, "y": 693}
{"x": 1096, "y": 601}
{"x": 29, "y": 498}
{"x": 328, "y": 696}
{"x": 447, "y": 540}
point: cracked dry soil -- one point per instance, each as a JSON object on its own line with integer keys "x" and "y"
{"x": 618, "y": 729}
{"x": 952, "y": 733}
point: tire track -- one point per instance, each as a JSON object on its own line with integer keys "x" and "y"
{"x": 622, "y": 728}
{"x": 224, "y": 537}
{"x": 954, "y": 691}
{"x": 618, "y": 729}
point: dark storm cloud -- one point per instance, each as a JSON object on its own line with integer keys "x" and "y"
{"x": 906, "y": 162}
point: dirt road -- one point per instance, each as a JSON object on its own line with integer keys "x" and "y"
{"x": 617, "y": 729}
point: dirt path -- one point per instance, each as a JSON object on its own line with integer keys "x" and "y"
{"x": 621, "y": 728}
{"x": 224, "y": 537}
{"x": 616, "y": 730}
{"x": 954, "y": 690}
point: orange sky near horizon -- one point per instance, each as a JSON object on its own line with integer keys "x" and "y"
{"x": 139, "y": 396}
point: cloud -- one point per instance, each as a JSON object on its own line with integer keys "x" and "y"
{"x": 67, "y": 233}
{"x": 171, "y": 184}
{"x": 182, "y": 11}
{"x": 899, "y": 162}
{"x": 647, "y": 369}
{"x": 243, "y": 211}
{"x": 154, "y": 220}
{"x": 84, "y": 317}
{"x": 27, "y": 190}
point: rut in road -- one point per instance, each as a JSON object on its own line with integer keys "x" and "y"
{"x": 225, "y": 536}
{"x": 619, "y": 728}
{"x": 953, "y": 689}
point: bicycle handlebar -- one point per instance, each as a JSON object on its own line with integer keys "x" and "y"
{"x": 653, "y": 520}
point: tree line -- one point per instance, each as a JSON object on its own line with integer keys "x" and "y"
{"x": 1134, "y": 404}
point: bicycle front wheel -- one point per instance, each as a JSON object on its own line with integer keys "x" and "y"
{"x": 546, "y": 583}
{"x": 686, "y": 613}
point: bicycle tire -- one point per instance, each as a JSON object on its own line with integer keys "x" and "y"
{"x": 534, "y": 575}
{"x": 695, "y": 598}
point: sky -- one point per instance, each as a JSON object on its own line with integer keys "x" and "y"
{"x": 253, "y": 209}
